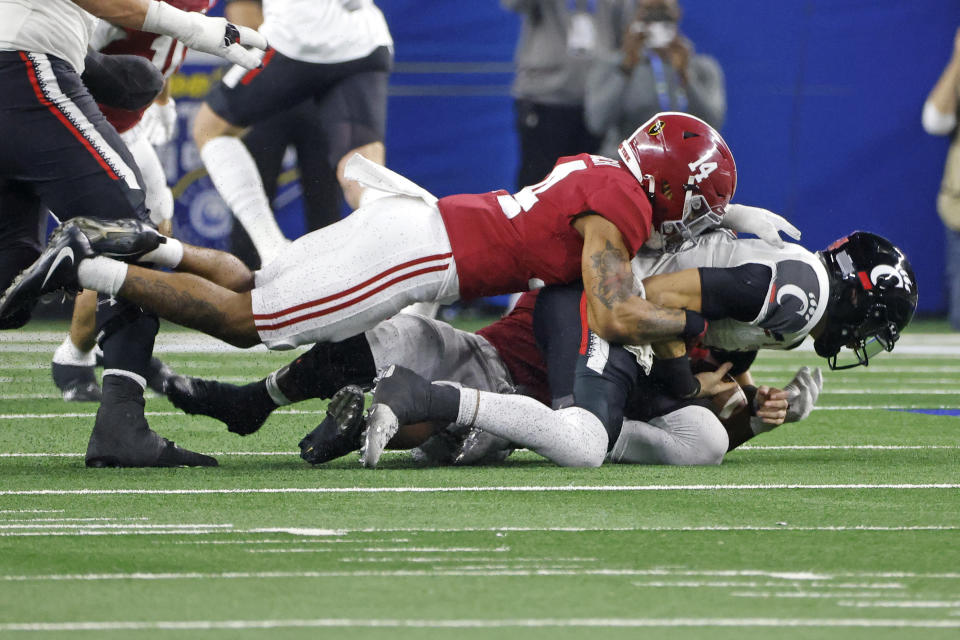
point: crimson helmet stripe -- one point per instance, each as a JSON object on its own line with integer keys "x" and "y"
{"x": 865, "y": 280}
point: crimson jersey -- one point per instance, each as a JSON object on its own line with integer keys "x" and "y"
{"x": 502, "y": 241}
{"x": 512, "y": 336}
{"x": 166, "y": 54}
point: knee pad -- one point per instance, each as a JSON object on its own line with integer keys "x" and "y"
{"x": 698, "y": 434}
{"x": 588, "y": 439}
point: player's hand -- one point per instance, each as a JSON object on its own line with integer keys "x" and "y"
{"x": 803, "y": 392}
{"x": 762, "y": 223}
{"x": 159, "y": 123}
{"x": 771, "y": 405}
{"x": 206, "y": 34}
{"x": 715, "y": 382}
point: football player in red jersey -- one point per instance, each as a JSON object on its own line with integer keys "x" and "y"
{"x": 584, "y": 220}
{"x": 141, "y": 129}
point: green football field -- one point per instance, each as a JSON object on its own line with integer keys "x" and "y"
{"x": 846, "y": 525}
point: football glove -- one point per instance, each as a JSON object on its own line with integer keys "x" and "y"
{"x": 205, "y": 33}
{"x": 804, "y": 390}
{"x": 159, "y": 123}
{"x": 762, "y": 223}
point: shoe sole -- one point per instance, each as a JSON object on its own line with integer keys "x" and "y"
{"x": 346, "y": 408}
{"x": 120, "y": 239}
{"x": 382, "y": 425}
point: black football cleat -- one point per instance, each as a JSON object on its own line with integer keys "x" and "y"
{"x": 122, "y": 438}
{"x": 400, "y": 397}
{"x": 243, "y": 409}
{"x": 77, "y": 383}
{"x": 55, "y": 269}
{"x": 125, "y": 239}
{"x": 341, "y": 430}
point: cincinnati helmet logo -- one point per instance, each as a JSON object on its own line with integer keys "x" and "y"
{"x": 656, "y": 128}
{"x": 886, "y": 276}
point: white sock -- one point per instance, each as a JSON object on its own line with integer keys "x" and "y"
{"x": 140, "y": 380}
{"x": 571, "y": 437}
{"x": 102, "y": 274}
{"x": 234, "y": 174}
{"x": 273, "y": 390}
{"x": 169, "y": 254}
{"x": 67, "y": 353}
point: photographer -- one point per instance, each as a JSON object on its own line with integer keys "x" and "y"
{"x": 655, "y": 69}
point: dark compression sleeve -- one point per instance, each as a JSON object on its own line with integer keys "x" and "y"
{"x": 734, "y": 292}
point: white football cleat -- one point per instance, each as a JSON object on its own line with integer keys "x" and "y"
{"x": 382, "y": 425}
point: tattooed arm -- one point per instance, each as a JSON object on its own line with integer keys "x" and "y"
{"x": 613, "y": 312}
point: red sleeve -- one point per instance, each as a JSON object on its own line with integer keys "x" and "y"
{"x": 628, "y": 209}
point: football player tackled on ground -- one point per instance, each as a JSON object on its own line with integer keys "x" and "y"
{"x": 586, "y": 219}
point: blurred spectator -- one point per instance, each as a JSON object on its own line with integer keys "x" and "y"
{"x": 940, "y": 119}
{"x": 558, "y": 42}
{"x": 655, "y": 69}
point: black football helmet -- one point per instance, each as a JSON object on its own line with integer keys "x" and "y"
{"x": 873, "y": 294}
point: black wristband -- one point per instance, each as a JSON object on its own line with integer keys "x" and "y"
{"x": 675, "y": 374}
{"x": 751, "y": 392}
{"x": 695, "y": 325}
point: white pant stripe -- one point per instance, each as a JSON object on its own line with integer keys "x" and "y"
{"x": 52, "y": 91}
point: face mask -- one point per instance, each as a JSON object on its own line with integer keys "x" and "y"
{"x": 660, "y": 34}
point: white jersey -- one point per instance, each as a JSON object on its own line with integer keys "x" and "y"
{"x": 55, "y": 27}
{"x": 796, "y": 296}
{"x": 324, "y": 31}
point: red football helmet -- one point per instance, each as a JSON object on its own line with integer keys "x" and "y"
{"x": 687, "y": 169}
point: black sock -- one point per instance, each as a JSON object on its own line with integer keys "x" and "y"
{"x": 328, "y": 367}
{"x": 444, "y": 402}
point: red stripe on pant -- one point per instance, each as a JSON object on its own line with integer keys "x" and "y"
{"x": 584, "y": 326}
{"x": 35, "y": 83}
{"x": 317, "y": 314}
{"x": 346, "y": 292}
{"x": 253, "y": 73}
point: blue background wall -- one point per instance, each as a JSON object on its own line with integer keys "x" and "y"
{"x": 824, "y": 98}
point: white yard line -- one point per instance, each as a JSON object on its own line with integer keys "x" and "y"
{"x": 712, "y": 584}
{"x": 804, "y": 578}
{"x": 192, "y": 529}
{"x": 486, "y": 489}
{"x": 209, "y": 625}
